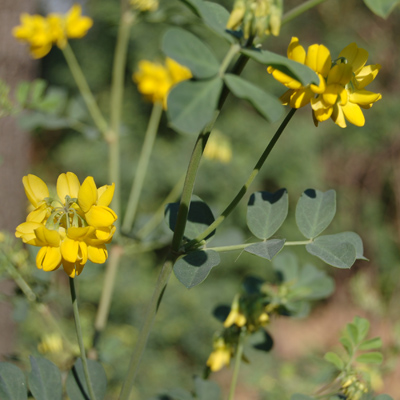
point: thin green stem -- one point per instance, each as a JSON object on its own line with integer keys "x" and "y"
{"x": 142, "y": 166}
{"x": 176, "y": 240}
{"x": 84, "y": 88}
{"x": 298, "y": 243}
{"x": 158, "y": 215}
{"x": 107, "y": 292}
{"x": 300, "y": 9}
{"x": 238, "y": 360}
{"x": 117, "y": 93}
{"x": 146, "y": 328}
{"x": 233, "y": 50}
{"x": 247, "y": 184}
{"x": 234, "y": 247}
{"x": 80, "y": 339}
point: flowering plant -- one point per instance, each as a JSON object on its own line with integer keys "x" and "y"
{"x": 80, "y": 223}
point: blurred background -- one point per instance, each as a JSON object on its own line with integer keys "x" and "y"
{"x": 361, "y": 164}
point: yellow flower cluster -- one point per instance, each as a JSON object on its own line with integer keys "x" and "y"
{"x": 353, "y": 388}
{"x": 341, "y": 92}
{"x": 72, "y": 228}
{"x": 144, "y": 5}
{"x": 42, "y": 32}
{"x": 155, "y": 80}
{"x": 220, "y": 356}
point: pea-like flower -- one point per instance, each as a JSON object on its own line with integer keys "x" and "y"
{"x": 41, "y": 33}
{"x": 220, "y": 356}
{"x": 341, "y": 92}
{"x": 71, "y": 228}
{"x": 155, "y": 80}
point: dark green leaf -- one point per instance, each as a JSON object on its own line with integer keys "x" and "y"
{"x": 382, "y": 7}
{"x": 221, "y": 312}
{"x": 268, "y": 249}
{"x": 342, "y": 255}
{"x": 194, "y": 268}
{"x": 268, "y": 106}
{"x": 12, "y": 382}
{"x": 215, "y": 17}
{"x": 206, "y": 390}
{"x": 298, "y": 396}
{"x": 188, "y": 50}
{"x": 294, "y": 69}
{"x": 252, "y": 284}
{"x": 266, "y": 212}
{"x": 76, "y": 382}
{"x": 371, "y": 344}
{"x": 335, "y": 360}
{"x": 315, "y": 211}
{"x": 200, "y": 217}
{"x": 373, "y": 357}
{"x": 44, "y": 379}
{"x": 267, "y": 343}
{"x": 191, "y": 104}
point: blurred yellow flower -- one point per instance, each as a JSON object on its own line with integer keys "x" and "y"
{"x": 155, "y": 80}
{"x": 235, "y": 315}
{"x": 51, "y": 343}
{"x": 221, "y": 355}
{"x": 72, "y": 228}
{"x": 42, "y": 32}
{"x": 340, "y": 94}
{"x": 144, "y": 5}
{"x": 218, "y": 148}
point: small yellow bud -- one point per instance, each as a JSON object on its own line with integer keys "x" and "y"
{"x": 145, "y": 5}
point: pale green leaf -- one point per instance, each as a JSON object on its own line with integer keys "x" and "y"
{"x": 268, "y": 249}
{"x": 373, "y": 357}
{"x": 12, "y": 382}
{"x": 335, "y": 360}
{"x": 371, "y": 344}
{"x": 342, "y": 255}
{"x": 382, "y": 8}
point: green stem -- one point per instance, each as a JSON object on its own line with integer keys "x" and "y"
{"x": 295, "y": 12}
{"x": 238, "y": 360}
{"x": 176, "y": 240}
{"x": 247, "y": 184}
{"x": 146, "y": 328}
{"x": 80, "y": 339}
{"x": 117, "y": 93}
{"x": 141, "y": 168}
{"x": 158, "y": 215}
{"x": 84, "y": 88}
{"x": 298, "y": 243}
{"x": 107, "y": 292}
{"x": 222, "y": 249}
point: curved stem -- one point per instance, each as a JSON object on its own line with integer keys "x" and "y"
{"x": 295, "y": 12}
{"x": 117, "y": 93}
{"x": 238, "y": 360}
{"x": 80, "y": 339}
{"x": 141, "y": 168}
{"x": 247, "y": 184}
{"x": 298, "y": 243}
{"x": 84, "y": 88}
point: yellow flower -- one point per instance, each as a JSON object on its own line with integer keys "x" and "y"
{"x": 155, "y": 80}
{"x": 218, "y": 148}
{"x": 72, "y": 228}
{"x": 221, "y": 355}
{"x": 42, "y": 32}
{"x": 145, "y": 5}
{"x": 51, "y": 344}
{"x": 317, "y": 58}
{"x": 235, "y": 316}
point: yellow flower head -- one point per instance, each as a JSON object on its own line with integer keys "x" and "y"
{"x": 42, "y": 32}
{"x": 155, "y": 80}
{"x": 144, "y": 5}
{"x": 72, "y": 228}
{"x": 340, "y": 92}
{"x": 235, "y": 316}
{"x": 221, "y": 355}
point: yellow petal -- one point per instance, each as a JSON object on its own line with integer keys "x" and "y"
{"x": 26, "y": 231}
{"x": 72, "y": 269}
{"x": 79, "y": 233}
{"x": 321, "y": 87}
{"x": 47, "y": 236}
{"x": 285, "y": 79}
{"x": 319, "y": 59}
{"x": 364, "y": 97}
{"x": 36, "y": 190}
{"x": 321, "y": 111}
{"x": 301, "y": 97}
{"x": 340, "y": 74}
{"x": 105, "y": 195}
{"x": 48, "y": 258}
{"x": 97, "y": 254}
{"x": 366, "y": 75}
{"x": 68, "y": 185}
{"x": 353, "y": 114}
{"x": 87, "y": 195}
{"x": 218, "y": 359}
{"x": 331, "y": 94}
{"x": 69, "y": 249}
{"x": 177, "y": 71}
{"x": 295, "y": 51}
{"x": 38, "y": 215}
{"x": 355, "y": 56}
{"x": 338, "y": 116}
{"x": 83, "y": 253}
{"x": 77, "y": 25}
{"x": 100, "y": 216}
